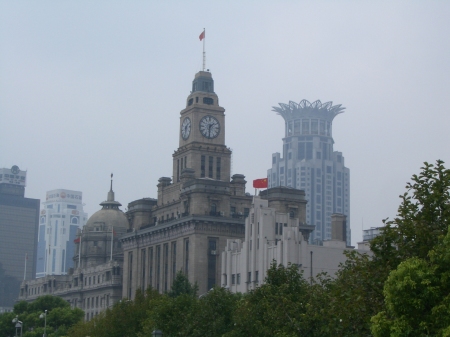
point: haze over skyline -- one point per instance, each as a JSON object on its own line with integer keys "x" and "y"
{"x": 90, "y": 88}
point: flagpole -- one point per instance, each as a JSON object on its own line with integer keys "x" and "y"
{"x": 204, "y": 53}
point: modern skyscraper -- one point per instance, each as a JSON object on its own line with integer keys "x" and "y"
{"x": 310, "y": 163}
{"x": 18, "y": 228}
{"x": 60, "y": 218}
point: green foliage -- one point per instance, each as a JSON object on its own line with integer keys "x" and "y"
{"x": 277, "y": 307}
{"x": 417, "y": 296}
{"x": 181, "y": 286}
{"x": 423, "y": 217}
{"x": 59, "y": 317}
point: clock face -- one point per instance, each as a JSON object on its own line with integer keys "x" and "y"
{"x": 209, "y": 127}
{"x": 15, "y": 169}
{"x": 186, "y": 128}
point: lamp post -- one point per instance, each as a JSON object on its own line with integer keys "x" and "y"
{"x": 157, "y": 333}
{"x": 18, "y": 325}
{"x": 44, "y": 316}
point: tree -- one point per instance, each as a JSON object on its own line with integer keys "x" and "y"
{"x": 181, "y": 285}
{"x": 278, "y": 307}
{"x": 59, "y": 317}
{"x": 423, "y": 217}
{"x": 417, "y": 296}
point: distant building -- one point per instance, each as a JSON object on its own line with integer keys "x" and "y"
{"x": 95, "y": 282}
{"x": 61, "y": 216}
{"x": 309, "y": 162}
{"x": 274, "y": 234}
{"x": 18, "y": 234}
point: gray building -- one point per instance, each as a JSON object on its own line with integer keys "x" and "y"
{"x": 95, "y": 282}
{"x": 18, "y": 234}
{"x": 309, "y": 162}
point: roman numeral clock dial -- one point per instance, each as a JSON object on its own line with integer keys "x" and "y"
{"x": 209, "y": 127}
{"x": 186, "y": 128}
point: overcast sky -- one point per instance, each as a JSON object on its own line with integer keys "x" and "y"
{"x": 93, "y": 87}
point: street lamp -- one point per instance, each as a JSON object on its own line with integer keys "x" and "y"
{"x": 18, "y": 325}
{"x": 44, "y": 316}
{"x": 157, "y": 333}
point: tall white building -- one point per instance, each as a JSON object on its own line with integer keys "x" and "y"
{"x": 309, "y": 162}
{"x": 60, "y": 217}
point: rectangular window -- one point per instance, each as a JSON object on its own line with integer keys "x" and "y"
{"x": 174, "y": 259}
{"x": 130, "y": 273}
{"x": 158, "y": 266}
{"x": 305, "y": 126}
{"x": 212, "y": 262}
{"x": 238, "y": 279}
{"x": 322, "y": 128}
{"x": 314, "y": 126}
{"x": 276, "y": 228}
{"x": 143, "y": 264}
{"x": 186, "y": 256}
{"x": 210, "y": 166}
{"x": 202, "y": 167}
{"x": 218, "y": 167}
{"x": 233, "y": 279}
{"x": 249, "y": 277}
{"x": 309, "y": 150}
{"x": 150, "y": 266}
{"x": 178, "y": 170}
{"x": 246, "y": 212}
{"x": 166, "y": 266}
{"x": 256, "y": 276}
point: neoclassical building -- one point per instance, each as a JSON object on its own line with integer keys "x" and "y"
{"x": 196, "y": 211}
{"x": 95, "y": 282}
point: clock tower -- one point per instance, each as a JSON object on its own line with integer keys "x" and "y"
{"x": 202, "y": 134}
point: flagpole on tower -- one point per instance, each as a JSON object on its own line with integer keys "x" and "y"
{"x": 202, "y": 38}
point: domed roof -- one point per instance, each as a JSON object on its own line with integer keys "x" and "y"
{"x": 110, "y": 214}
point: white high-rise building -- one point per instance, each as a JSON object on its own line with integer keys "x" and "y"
{"x": 309, "y": 163}
{"x": 59, "y": 220}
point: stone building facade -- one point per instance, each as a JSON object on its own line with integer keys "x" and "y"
{"x": 194, "y": 214}
{"x": 95, "y": 282}
{"x": 274, "y": 234}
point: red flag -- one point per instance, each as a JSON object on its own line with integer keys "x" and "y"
{"x": 260, "y": 183}
{"x": 77, "y": 240}
{"x": 202, "y": 36}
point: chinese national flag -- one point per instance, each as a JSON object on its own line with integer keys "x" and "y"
{"x": 77, "y": 240}
{"x": 260, "y": 183}
{"x": 202, "y": 36}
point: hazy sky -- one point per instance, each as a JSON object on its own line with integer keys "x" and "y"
{"x": 93, "y": 87}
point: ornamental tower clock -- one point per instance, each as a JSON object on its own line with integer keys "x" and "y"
{"x": 202, "y": 134}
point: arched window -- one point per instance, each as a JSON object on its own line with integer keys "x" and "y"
{"x": 213, "y": 208}
{"x": 74, "y": 221}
